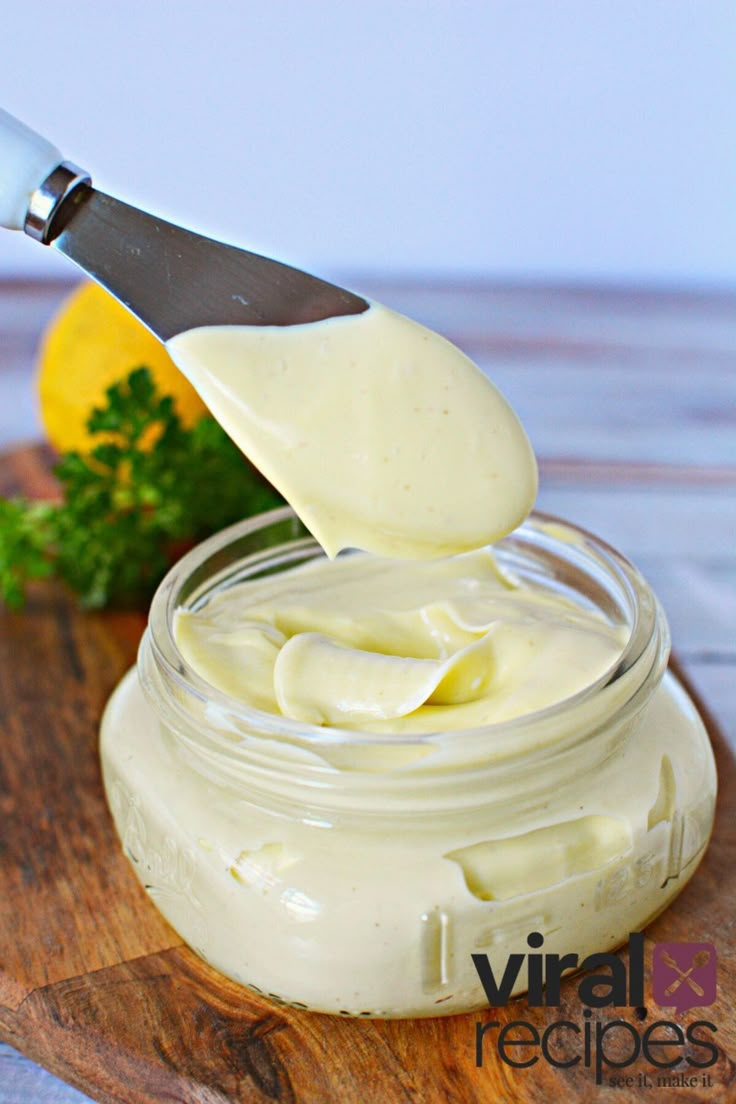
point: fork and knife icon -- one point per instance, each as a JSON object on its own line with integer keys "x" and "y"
{"x": 702, "y": 958}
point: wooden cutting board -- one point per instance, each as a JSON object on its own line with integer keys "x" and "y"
{"x": 95, "y": 986}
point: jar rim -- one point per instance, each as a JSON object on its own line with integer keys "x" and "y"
{"x": 646, "y": 625}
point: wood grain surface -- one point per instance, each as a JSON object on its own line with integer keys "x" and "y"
{"x": 96, "y": 987}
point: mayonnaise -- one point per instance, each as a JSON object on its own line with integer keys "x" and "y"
{"x": 380, "y": 433}
{"x": 383, "y": 436}
{"x": 356, "y": 873}
{"x": 397, "y": 646}
{"x": 339, "y": 781}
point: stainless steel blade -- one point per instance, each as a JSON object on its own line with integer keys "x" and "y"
{"x": 174, "y": 280}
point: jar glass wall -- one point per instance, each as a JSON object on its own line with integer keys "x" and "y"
{"x": 356, "y": 873}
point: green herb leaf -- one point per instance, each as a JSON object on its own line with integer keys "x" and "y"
{"x": 149, "y": 488}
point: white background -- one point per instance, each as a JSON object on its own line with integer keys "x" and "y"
{"x": 576, "y": 140}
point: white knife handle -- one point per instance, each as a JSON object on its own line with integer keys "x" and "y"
{"x": 26, "y": 159}
{"x": 34, "y": 182}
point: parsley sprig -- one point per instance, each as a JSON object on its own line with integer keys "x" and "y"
{"x": 130, "y": 506}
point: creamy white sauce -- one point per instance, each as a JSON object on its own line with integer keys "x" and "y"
{"x": 344, "y": 891}
{"x": 380, "y": 433}
{"x": 379, "y": 913}
{"x": 397, "y": 646}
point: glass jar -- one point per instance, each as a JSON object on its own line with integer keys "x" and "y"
{"x": 356, "y": 873}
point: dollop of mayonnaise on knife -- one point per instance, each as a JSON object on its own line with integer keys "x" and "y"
{"x": 381, "y": 434}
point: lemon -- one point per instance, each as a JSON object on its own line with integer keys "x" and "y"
{"x": 90, "y": 344}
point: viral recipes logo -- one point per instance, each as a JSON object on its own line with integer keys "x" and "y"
{"x": 683, "y": 977}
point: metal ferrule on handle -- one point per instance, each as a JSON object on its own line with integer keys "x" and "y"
{"x": 46, "y": 202}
